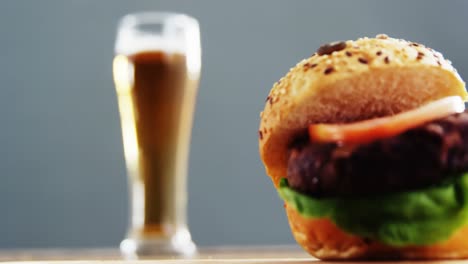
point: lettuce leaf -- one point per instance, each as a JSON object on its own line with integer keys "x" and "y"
{"x": 420, "y": 217}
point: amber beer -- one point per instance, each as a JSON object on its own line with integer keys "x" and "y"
{"x": 156, "y": 71}
{"x": 156, "y": 103}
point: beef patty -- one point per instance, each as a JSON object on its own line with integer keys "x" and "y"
{"x": 419, "y": 157}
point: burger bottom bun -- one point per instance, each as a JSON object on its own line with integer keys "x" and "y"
{"x": 324, "y": 240}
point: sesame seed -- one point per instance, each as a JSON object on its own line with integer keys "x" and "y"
{"x": 268, "y": 98}
{"x": 309, "y": 66}
{"x": 363, "y": 60}
{"x": 328, "y": 70}
{"x": 387, "y": 60}
{"x": 378, "y": 53}
{"x": 349, "y": 54}
{"x": 260, "y": 134}
{"x": 438, "y": 62}
{"x": 382, "y": 36}
{"x": 420, "y": 55}
{"x": 329, "y": 48}
{"x": 414, "y": 44}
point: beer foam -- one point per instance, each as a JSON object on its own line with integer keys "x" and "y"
{"x": 175, "y": 33}
{"x": 132, "y": 36}
{"x": 126, "y": 45}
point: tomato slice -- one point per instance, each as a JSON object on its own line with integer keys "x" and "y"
{"x": 378, "y": 128}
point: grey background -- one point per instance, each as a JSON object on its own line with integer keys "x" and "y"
{"x": 63, "y": 181}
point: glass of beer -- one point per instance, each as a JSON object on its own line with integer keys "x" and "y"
{"x": 156, "y": 71}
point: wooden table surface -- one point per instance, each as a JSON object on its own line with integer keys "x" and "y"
{"x": 215, "y": 255}
{"x": 257, "y": 254}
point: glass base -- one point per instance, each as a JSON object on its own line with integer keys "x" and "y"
{"x": 180, "y": 245}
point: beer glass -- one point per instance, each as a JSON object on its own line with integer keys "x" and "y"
{"x": 156, "y": 71}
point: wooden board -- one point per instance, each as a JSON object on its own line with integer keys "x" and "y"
{"x": 235, "y": 255}
{"x": 205, "y": 254}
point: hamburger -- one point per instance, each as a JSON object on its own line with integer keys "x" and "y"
{"x": 366, "y": 142}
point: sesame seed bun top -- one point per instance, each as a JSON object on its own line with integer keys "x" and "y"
{"x": 350, "y": 81}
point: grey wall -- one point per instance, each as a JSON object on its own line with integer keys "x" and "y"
{"x": 63, "y": 179}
